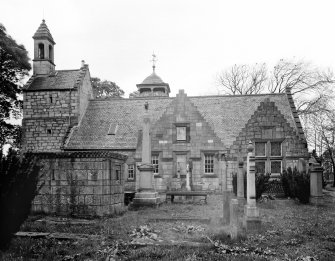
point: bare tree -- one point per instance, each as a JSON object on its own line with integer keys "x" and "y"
{"x": 243, "y": 79}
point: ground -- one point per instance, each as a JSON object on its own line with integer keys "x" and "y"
{"x": 290, "y": 231}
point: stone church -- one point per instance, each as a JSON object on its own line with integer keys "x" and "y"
{"x": 90, "y": 148}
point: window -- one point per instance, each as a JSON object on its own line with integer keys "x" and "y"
{"x": 118, "y": 172}
{"x": 50, "y": 53}
{"x": 275, "y": 167}
{"x": 49, "y": 132}
{"x": 50, "y": 99}
{"x": 275, "y": 148}
{"x": 181, "y": 133}
{"x": 154, "y": 162}
{"x": 209, "y": 164}
{"x": 112, "y": 129}
{"x": 268, "y": 157}
{"x": 131, "y": 171}
{"x": 260, "y": 148}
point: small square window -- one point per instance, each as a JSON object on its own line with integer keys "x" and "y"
{"x": 155, "y": 162}
{"x": 260, "y": 149}
{"x": 131, "y": 171}
{"x": 181, "y": 133}
{"x": 209, "y": 164}
{"x": 49, "y": 131}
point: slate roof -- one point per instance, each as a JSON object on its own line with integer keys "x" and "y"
{"x": 227, "y": 115}
{"x": 59, "y": 80}
{"x": 153, "y": 79}
{"x": 43, "y": 32}
{"x": 126, "y": 113}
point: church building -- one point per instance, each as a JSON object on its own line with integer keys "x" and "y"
{"x": 91, "y": 147}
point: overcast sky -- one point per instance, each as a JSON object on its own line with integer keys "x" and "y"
{"x": 193, "y": 40}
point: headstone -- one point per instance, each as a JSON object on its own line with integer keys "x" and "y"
{"x": 235, "y": 228}
{"x": 226, "y": 195}
{"x": 316, "y": 172}
{"x": 240, "y": 183}
{"x": 301, "y": 165}
{"x": 252, "y": 221}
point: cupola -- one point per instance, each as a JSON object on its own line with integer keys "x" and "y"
{"x": 43, "y": 63}
{"x": 153, "y": 85}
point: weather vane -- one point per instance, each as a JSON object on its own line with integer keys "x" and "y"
{"x": 153, "y": 60}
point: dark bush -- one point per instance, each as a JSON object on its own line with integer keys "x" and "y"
{"x": 296, "y": 184}
{"x": 18, "y": 187}
{"x": 261, "y": 183}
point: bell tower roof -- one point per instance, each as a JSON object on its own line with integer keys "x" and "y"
{"x": 43, "y": 33}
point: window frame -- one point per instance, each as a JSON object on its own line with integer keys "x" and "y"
{"x": 209, "y": 165}
{"x": 155, "y": 157}
{"x": 131, "y": 168}
{"x": 268, "y": 158}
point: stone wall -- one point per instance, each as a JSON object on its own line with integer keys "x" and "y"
{"x": 268, "y": 124}
{"x": 81, "y": 184}
{"x": 200, "y": 140}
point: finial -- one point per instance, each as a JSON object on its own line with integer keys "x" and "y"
{"x": 250, "y": 147}
{"x": 154, "y": 60}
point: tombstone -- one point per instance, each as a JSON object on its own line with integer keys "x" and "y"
{"x": 301, "y": 165}
{"x": 316, "y": 172}
{"x": 252, "y": 221}
{"x": 146, "y": 195}
{"x": 226, "y": 195}
{"x": 240, "y": 183}
{"x": 235, "y": 228}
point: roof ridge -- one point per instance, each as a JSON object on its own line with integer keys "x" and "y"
{"x": 239, "y": 95}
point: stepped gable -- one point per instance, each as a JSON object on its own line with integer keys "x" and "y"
{"x": 227, "y": 115}
{"x": 124, "y": 116}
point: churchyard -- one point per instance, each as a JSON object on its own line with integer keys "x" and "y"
{"x": 185, "y": 230}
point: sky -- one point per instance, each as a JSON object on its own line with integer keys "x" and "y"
{"x": 193, "y": 40}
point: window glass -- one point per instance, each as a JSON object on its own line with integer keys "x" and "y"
{"x": 181, "y": 133}
{"x": 154, "y": 162}
{"x": 260, "y": 149}
{"x": 260, "y": 167}
{"x": 131, "y": 171}
{"x": 117, "y": 172}
{"x": 209, "y": 164}
{"x": 275, "y": 148}
{"x": 275, "y": 167}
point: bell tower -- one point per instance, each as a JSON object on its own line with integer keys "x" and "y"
{"x": 43, "y": 63}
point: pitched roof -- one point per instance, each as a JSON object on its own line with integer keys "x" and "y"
{"x": 127, "y": 114}
{"x": 227, "y": 115}
{"x": 59, "y": 80}
{"x": 43, "y": 32}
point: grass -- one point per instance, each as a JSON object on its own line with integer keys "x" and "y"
{"x": 290, "y": 231}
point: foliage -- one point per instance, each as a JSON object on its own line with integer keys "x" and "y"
{"x": 18, "y": 187}
{"x": 103, "y": 89}
{"x": 296, "y": 184}
{"x": 14, "y": 66}
{"x": 261, "y": 183}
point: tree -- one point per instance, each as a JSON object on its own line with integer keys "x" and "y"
{"x": 243, "y": 79}
{"x": 103, "y": 89}
{"x": 14, "y": 67}
{"x": 310, "y": 86}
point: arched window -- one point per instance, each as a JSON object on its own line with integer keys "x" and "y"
{"x": 41, "y": 51}
{"x": 51, "y": 55}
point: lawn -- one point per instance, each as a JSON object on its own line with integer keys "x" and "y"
{"x": 290, "y": 231}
